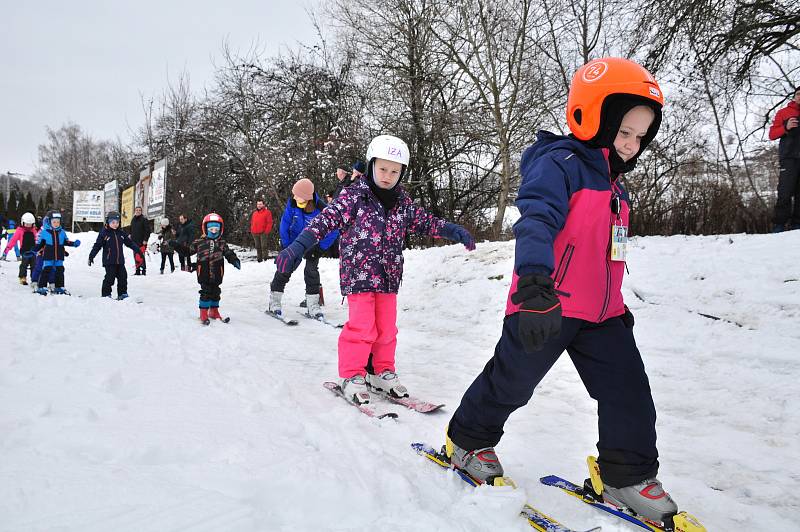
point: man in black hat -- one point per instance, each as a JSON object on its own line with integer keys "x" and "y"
{"x": 359, "y": 168}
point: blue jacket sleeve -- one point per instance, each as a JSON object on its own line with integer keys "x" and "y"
{"x": 286, "y": 221}
{"x": 543, "y": 203}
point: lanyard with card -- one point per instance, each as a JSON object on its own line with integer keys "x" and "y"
{"x": 619, "y": 232}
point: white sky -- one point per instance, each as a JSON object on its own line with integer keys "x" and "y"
{"x": 88, "y": 61}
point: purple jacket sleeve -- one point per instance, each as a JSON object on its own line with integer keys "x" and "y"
{"x": 421, "y": 221}
{"x": 337, "y": 215}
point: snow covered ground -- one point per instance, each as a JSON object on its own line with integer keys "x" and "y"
{"x": 129, "y": 417}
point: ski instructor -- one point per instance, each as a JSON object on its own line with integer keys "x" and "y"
{"x": 566, "y": 290}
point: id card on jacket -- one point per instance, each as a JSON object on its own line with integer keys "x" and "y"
{"x": 619, "y": 242}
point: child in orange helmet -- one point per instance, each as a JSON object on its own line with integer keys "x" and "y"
{"x": 566, "y": 289}
{"x": 211, "y": 249}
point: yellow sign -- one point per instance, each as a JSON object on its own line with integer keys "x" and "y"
{"x": 127, "y": 206}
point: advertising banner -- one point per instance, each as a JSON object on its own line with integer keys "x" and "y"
{"x": 157, "y": 204}
{"x": 87, "y": 206}
{"x": 111, "y": 198}
{"x": 143, "y": 190}
{"x": 127, "y": 205}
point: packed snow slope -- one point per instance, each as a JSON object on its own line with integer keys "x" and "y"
{"x": 131, "y": 416}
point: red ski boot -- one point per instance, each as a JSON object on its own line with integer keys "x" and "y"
{"x": 213, "y": 313}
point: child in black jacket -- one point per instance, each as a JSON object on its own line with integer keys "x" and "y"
{"x": 210, "y": 268}
{"x": 111, "y": 239}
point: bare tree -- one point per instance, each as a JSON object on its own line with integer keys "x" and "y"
{"x": 496, "y": 67}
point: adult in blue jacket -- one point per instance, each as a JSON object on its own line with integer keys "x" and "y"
{"x": 304, "y": 204}
{"x": 52, "y": 240}
{"x": 111, "y": 239}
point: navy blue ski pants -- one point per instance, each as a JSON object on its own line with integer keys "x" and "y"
{"x": 610, "y": 367}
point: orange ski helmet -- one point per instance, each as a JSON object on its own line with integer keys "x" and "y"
{"x": 213, "y": 217}
{"x": 599, "y": 79}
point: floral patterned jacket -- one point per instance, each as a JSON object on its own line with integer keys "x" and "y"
{"x": 371, "y": 245}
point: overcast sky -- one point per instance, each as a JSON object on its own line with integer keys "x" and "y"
{"x": 88, "y": 61}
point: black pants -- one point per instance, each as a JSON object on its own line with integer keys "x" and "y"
{"x": 788, "y": 190}
{"x": 610, "y": 367}
{"x": 115, "y": 272}
{"x": 59, "y": 278}
{"x": 27, "y": 262}
{"x": 210, "y": 295}
{"x": 310, "y": 274}
{"x": 185, "y": 259}
{"x": 164, "y": 260}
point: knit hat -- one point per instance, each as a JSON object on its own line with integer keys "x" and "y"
{"x": 304, "y": 189}
{"x": 360, "y": 167}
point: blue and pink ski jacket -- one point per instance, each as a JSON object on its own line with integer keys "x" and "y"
{"x": 52, "y": 240}
{"x": 565, "y": 203}
{"x": 371, "y": 245}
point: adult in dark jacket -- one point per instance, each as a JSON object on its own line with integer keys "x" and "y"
{"x": 345, "y": 181}
{"x": 166, "y": 236}
{"x": 140, "y": 233}
{"x": 785, "y": 127}
{"x": 110, "y": 240}
{"x": 186, "y": 233}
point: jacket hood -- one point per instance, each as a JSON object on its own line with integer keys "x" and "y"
{"x": 46, "y": 226}
{"x": 547, "y": 142}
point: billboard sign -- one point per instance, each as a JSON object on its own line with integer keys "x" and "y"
{"x": 127, "y": 205}
{"x": 158, "y": 189}
{"x": 87, "y": 206}
{"x": 143, "y": 190}
{"x": 111, "y": 198}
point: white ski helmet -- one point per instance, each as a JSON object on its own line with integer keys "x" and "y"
{"x": 388, "y": 147}
{"x": 164, "y": 222}
{"x": 28, "y": 218}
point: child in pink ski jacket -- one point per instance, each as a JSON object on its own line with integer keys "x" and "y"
{"x": 566, "y": 291}
{"x": 374, "y": 215}
{"x": 25, "y": 236}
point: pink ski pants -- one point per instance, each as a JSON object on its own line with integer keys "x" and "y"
{"x": 371, "y": 328}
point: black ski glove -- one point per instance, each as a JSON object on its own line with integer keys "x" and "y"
{"x": 627, "y": 318}
{"x": 540, "y": 315}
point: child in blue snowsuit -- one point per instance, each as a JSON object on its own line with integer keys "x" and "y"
{"x": 52, "y": 241}
{"x": 111, "y": 239}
